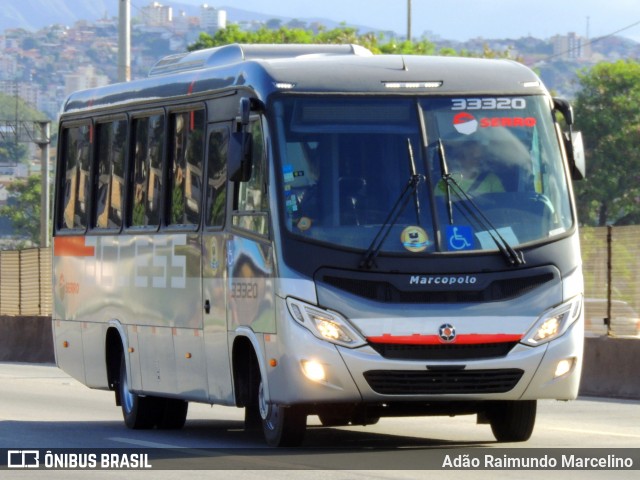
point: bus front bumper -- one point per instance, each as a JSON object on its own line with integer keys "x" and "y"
{"x": 313, "y": 371}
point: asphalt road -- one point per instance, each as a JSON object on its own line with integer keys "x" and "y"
{"x": 42, "y": 408}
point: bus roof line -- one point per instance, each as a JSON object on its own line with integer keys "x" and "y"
{"x": 236, "y": 53}
{"x": 341, "y": 69}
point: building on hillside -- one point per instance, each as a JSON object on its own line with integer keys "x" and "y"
{"x": 156, "y": 15}
{"x": 28, "y": 92}
{"x": 8, "y": 67}
{"x": 212, "y": 19}
{"x": 83, "y": 78}
{"x": 571, "y": 47}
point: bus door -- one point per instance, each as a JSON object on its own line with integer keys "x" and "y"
{"x": 214, "y": 265}
{"x": 250, "y": 253}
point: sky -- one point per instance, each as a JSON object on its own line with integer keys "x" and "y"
{"x": 462, "y": 19}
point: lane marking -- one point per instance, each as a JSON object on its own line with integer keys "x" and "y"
{"x": 143, "y": 443}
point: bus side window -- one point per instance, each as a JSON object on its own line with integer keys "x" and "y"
{"x": 186, "y": 161}
{"x": 148, "y": 137}
{"x": 111, "y": 138}
{"x": 75, "y": 163}
{"x": 217, "y": 177}
{"x": 251, "y": 200}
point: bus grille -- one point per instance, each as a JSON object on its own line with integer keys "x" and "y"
{"x": 434, "y": 382}
{"x": 382, "y": 291}
{"x": 443, "y": 352}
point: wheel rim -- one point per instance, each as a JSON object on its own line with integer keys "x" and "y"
{"x": 126, "y": 397}
{"x": 268, "y": 413}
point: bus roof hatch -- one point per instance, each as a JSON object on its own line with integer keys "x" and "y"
{"x": 235, "y": 53}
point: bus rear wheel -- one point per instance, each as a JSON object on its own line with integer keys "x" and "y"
{"x": 174, "y": 414}
{"x": 283, "y": 426}
{"x": 145, "y": 412}
{"x": 139, "y": 412}
{"x": 512, "y": 421}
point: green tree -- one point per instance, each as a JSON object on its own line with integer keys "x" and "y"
{"x": 10, "y": 151}
{"x": 608, "y": 114}
{"x": 24, "y": 207}
{"x": 9, "y": 105}
{"x": 283, "y": 34}
{"x": 274, "y": 32}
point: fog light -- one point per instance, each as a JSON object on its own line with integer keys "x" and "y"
{"x": 313, "y": 370}
{"x": 564, "y": 367}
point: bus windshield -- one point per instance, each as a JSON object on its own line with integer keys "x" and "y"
{"x": 346, "y": 161}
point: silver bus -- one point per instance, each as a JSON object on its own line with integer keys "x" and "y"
{"x": 315, "y": 230}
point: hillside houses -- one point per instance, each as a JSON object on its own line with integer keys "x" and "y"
{"x": 50, "y": 63}
{"x": 54, "y": 61}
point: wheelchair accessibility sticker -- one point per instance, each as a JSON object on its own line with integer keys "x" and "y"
{"x": 459, "y": 237}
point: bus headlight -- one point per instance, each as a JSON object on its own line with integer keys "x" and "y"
{"x": 554, "y": 323}
{"x": 324, "y": 324}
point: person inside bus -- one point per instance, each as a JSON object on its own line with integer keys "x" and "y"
{"x": 308, "y": 195}
{"x": 471, "y": 168}
{"x": 313, "y": 209}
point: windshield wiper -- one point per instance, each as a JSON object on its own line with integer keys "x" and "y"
{"x": 411, "y": 189}
{"x": 444, "y": 168}
{"x": 474, "y": 211}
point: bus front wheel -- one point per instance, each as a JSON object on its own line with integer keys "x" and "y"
{"x": 512, "y": 421}
{"x": 283, "y": 426}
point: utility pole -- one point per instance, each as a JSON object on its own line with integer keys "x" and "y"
{"x": 409, "y": 20}
{"x": 124, "y": 41}
{"x": 43, "y": 141}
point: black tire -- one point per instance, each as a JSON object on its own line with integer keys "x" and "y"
{"x": 145, "y": 412}
{"x": 252, "y": 419}
{"x": 139, "y": 412}
{"x": 513, "y": 421}
{"x": 283, "y": 426}
{"x": 174, "y": 414}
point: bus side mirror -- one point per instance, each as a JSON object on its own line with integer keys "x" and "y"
{"x": 575, "y": 154}
{"x": 572, "y": 140}
{"x": 564, "y": 107}
{"x": 241, "y": 150}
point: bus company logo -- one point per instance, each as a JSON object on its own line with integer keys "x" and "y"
{"x": 67, "y": 288}
{"x": 443, "y": 280}
{"x": 465, "y": 123}
{"x": 447, "y": 333}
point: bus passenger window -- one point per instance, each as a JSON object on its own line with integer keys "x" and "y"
{"x": 108, "y": 198}
{"x": 252, "y": 202}
{"x": 185, "y": 174}
{"x": 75, "y": 158}
{"x": 217, "y": 177}
{"x": 148, "y": 135}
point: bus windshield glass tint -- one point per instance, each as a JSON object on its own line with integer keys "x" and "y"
{"x": 345, "y": 163}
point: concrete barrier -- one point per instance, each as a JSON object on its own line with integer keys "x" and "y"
{"x": 26, "y": 339}
{"x": 611, "y": 365}
{"x": 611, "y": 368}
